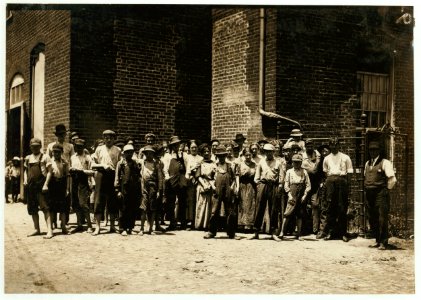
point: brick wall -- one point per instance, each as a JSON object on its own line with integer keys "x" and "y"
{"x": 92, "y": 72}
{"x": 235, "y": 73}
{"x": 24, "y": 31}
{"x": 137, "y": 69}
{"x": 317, "y": 70}
{"x": 163, "y": 76}
{"x": 312, "y": 57}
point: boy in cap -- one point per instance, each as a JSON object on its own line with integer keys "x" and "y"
{"x": 81, "y": 175}
{"x": 35, "y": 167}
{"x": 338, "y": 169}
{"x": 15, "y": 178}
{"x": 174, "y": 170}
{"x": 379, "y": 179}
{"x": 295, "y": 139}
{"x": 56, "y": 184}
{"x": 127, "y": 187}
{"x": 105, "y": 162}
{"x": 68, "y": 151}
{"x": 152, "y": 186}
{"x": 268, "y": 180}
{"x": 297, "y": 185}
{"x": 224, "y": 179}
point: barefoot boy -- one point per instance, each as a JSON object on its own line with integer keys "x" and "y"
{"x": 34, "y": 178}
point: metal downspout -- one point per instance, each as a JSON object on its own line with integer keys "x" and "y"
{"x": 262, "y": 75}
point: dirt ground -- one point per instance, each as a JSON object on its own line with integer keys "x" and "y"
{"x": 183, "y": 262}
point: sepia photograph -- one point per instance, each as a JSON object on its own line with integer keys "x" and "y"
{"x": 216, "y": 148}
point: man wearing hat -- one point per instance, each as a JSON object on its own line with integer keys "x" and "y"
{"x": 268, "y": 180}
{"x": 175, "y": 170}
{"x": 338, "y": 169}
{"x": 297, "y": 185}
{"x": 295, "y": 139}
{"x": 223, "y": 193}
{"x": 57, "y": 185}
{"x": 378, "y": 181}
{"x": 127, "y": 186}
{"x": 14, "y": 174}
{"x": 82, "y": 175}
{"x": 35, "y": 167}
{"x": 68, "y": 149}
{"x": 239, "y": 139}
{"x": 105, "y": 161}
{"x": 152, "y": 187}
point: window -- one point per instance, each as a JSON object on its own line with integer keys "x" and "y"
{"x": 16, "y": 91}
{"x": 375, "y": 98}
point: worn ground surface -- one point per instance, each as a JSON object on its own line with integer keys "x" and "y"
{"x": 183, "y": 262}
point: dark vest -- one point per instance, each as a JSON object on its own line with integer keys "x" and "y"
{"x": 375, "y": 176}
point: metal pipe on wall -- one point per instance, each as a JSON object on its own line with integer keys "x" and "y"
{"x": 262, "y": 74}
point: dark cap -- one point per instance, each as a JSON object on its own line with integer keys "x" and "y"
{"x": 239, "y": 137}
{"x": 60, "y": 129}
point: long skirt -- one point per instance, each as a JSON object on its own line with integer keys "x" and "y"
{"x": 247, "y": 205}
{"x": 203, "y": 208}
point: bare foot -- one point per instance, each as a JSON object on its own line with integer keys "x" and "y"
{"x": 140, "y": 232}
{"x": 124, "y": 233}
{"x": 35, "y": 233}
{"x": 96, "y": 232}
{"x": 48, "y": 236}
{"x": 89, "y": 230}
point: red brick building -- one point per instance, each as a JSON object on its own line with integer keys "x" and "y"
{"x": 202, "y": 72}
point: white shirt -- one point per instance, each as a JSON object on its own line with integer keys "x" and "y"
{"x": 107, "y": 156}
{"x": 292, "y": 177}
{"x": 337, "y": 164}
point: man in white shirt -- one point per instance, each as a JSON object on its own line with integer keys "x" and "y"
{"x": 379, "y": 178}
{"x": 338, "y": 168}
